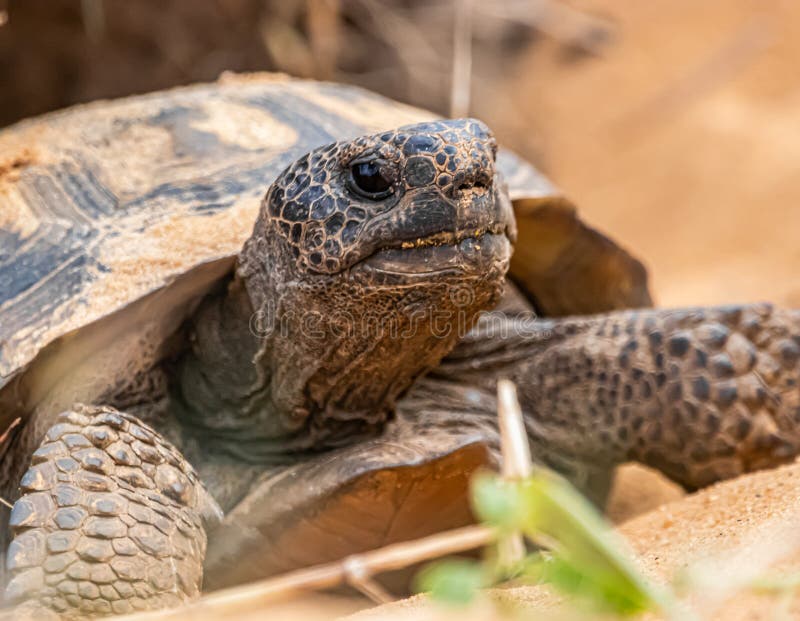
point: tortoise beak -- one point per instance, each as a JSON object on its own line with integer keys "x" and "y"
{"x": 479, "y": 254}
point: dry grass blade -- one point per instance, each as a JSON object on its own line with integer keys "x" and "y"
{"x": 513, "y": 437}
{"x": 462, "y": 59}
{"x": 94, "y": 19}
{"x": 359, "y": 577}
{"x": 516, "y": 459}
{"x": 3, "y": 438}
{"x": 419, "y": 58}
{"x": 230, "y": 602}
{"x": 324, "y": 35}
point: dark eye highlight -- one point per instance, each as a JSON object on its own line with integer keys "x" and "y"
{"x": 366, "y": 179}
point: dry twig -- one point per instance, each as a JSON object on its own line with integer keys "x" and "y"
{"x": 257, "y": 594}
{"x": 359, "y": 577}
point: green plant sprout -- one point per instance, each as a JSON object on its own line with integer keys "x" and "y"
{"x": 582, "y": 556}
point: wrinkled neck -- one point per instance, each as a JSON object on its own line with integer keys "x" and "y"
{"x": 217, "y": 377}
{"x": 314, "y": 365}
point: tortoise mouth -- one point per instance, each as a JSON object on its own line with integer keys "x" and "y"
{"x": 476, "y": 251}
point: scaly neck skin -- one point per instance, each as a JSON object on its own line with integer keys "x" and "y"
{"x": 281, "y": 364}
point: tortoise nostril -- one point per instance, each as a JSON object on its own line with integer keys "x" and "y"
{"x": 472, "y": 184}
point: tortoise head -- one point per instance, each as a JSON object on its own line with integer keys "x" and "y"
{"x": 375, "y": 255}
{"x": 369, "y": 200}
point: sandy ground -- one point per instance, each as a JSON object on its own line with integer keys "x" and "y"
{"x": 638, "y": 489}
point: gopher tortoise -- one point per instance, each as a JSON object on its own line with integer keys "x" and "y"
{"x": 192, "y": 384}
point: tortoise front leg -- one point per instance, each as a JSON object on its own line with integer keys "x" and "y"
{"x": 110, "y": 520}
{"x": 702, "y": 394}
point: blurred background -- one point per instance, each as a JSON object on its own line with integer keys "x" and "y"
{"x": 673, "y": 124}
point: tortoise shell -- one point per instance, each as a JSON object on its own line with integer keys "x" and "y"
{"x": 112, "y": 203}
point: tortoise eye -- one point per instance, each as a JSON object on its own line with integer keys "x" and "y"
{"x": 366, "y": 179}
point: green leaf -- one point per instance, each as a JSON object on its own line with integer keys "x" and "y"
{"x": 498, "y": 502}
{"x": 586, "y": 559}
{"x": 602, "y": 591}
{"x": 452, "y": 581}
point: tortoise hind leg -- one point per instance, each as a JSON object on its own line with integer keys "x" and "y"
{"x": 110, "y": 520}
